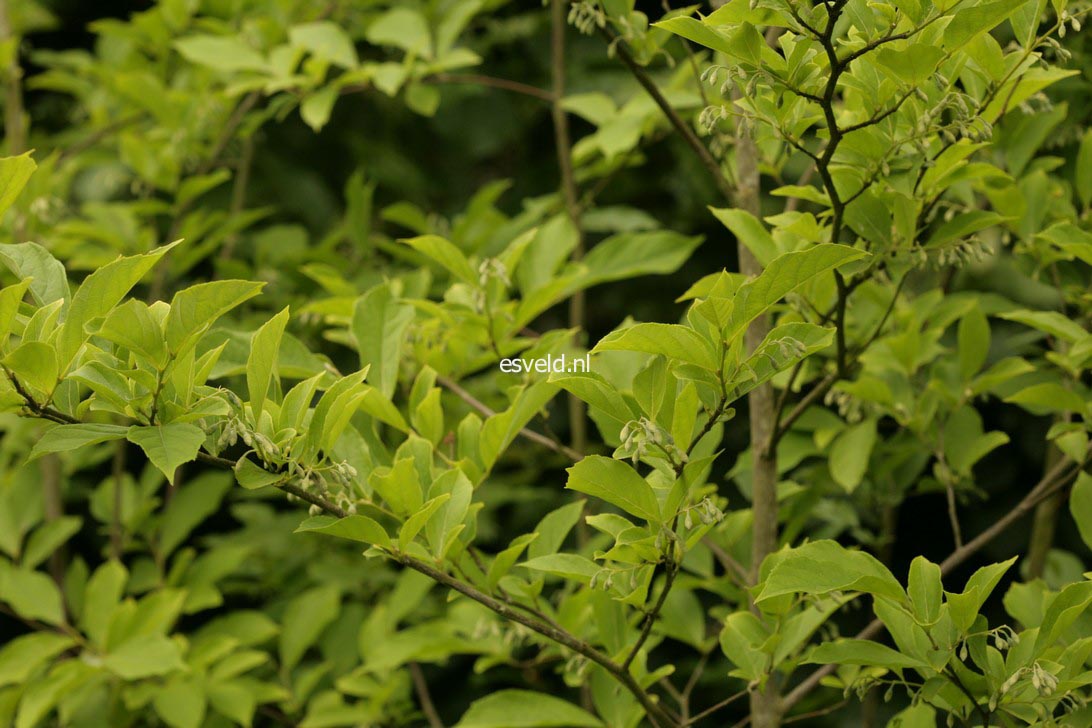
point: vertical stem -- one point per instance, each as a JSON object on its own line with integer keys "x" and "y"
{"x": 765, "y": 702}
{"x": 1042, "y": 527}
{"x": 15, "y": 121}
{"x": 53, "y": 505}
{"x": 578, "y": 421}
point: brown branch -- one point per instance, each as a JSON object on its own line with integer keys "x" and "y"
{"x": 484, "y": 409}
{"x": 671, "y": 569}
{"x": 477, "y": 79}
{"x": 423, "y": 696}
{"x": 684, "y": 129}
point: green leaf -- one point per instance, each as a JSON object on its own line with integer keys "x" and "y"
{"x": 554, "y": 527}
{"x": 34, "y": 363}
{"x": 525, "y": 709}
{"x": 64, "y": 438}
{"x": 168, "y": 446}
{"x": 133, "y": 326}
{"x": 974, "y": 342}
{"x": 47, "y": 538}
{"x": 403, "y": 28}
{"x": 325, "y": 40}
{"x": 261, "y": 363}
{"x": 14, "y": 174}
{"x": 316, "y": 108}
{"x": 101, "y": 598}
{"x": 1083, "y": 169}
{"x": 97, "y": 295}
{"x": 181, "y": 704}
{"x": 862, "y": 652}
{"x": 671, "y": 340}
{"x": 353, "y": 528}
{"x": 399, "y": 486}
{"x": 1080, "y": 506}
{"x": 195, "y": 309}
{"x": 20, "y": 657}
{"x": 783, "y": 275}
{"x": 252, "y": 476}
{"x": 305, "y": 618}
{"x": 825, "y": 566}
{"x": 446, "y": 254}
{"x": 189, "y": 505}
{"x": 32, "y": 595}
{"x": 144, "y": 656}
{"x": 971, "y": 21}
{"x": 569, "y": 566}
{"x": 1049, "y": 322}
{"x": 749, "y": 231}
{"x": 379, "y": 328}
{"x": 913, "y": 64}
{"x": 616, "y": 483}
{"x": 628, "y": 255}
{"x": 30, "y": 260}
{"x": 925, "y": 590}
{"x": 222, "y": 53}
{"x": 1048, "y": 396}
{"x": 850, "y": 454}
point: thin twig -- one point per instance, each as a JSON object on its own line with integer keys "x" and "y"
{"x": 421, "y": 688}
{"x": 477, "y": 79}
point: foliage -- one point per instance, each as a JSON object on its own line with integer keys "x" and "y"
{"x": 919, "y": 259}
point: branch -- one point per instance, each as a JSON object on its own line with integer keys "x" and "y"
{"x": 477, "y": 79}
{"x": 650, "y": 617}
{"x": 684, "y": 130}
{"x": 484, "y": 409}
{"x": 421, "y": 688}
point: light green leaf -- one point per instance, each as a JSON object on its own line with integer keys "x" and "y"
{"x": 627, "y": 255}
{"x": 783, "y": 275}
{"x": 14, "y": 174}
{"x": 749, "y": 231}
{"x": 30, "y": 260}
{"x": 1080, "y": 506}
{"x": 64, "y": 438}
{"x": 181, "y": 704}
{"x": 1048, "y": 396}
{"x": 144, "y": 656}
{"x": 20, "y": 657}
{"x": 974, "y": 342}
{"x": 617, "y": 483}
{"x": 261, "y": 364}
{"x": 221, "y": 52}
{"x": 970, "y": 21}
{"x": 862, "y": 652}
{"x": 671, "y": 340}
{"x": 325, "y": 40}
{"x": 132, "y": 326}
{"x": 168, "y": 446}
{"x": 850, "y": 453}
{"x": 446, "y": 254}
{"x": 305, "y": 618}
{"x": 379, "y": 328}
{"x": 925, "y": 590}
{"x": 191, "y": 504}
{"x": 252, "y": 476}
{"x": 1049, "y": 322}
{"x": 47, "y": 538}
{"x": 525, "y": 709}
{"x": 100, "y": 598}
{"x": 403, "y": 28}
{"x": 32, "y": 595}
{"x": 569, "y": 566}
{"x": 554, "y": 527}
{"x": 195, "y": 309}
{"x": 316, "y": 108}
{"x": 353, "y": 528}
{"x": 825, "y": 566}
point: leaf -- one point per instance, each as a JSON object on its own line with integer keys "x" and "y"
{"x": 144, "y": 656}
{"x": 850, "y": 453}
{"x": 30, "y": 260}
{"x": 325, "y": 40}
{"x": 925, "y": 590}
{"x": 21, "y": 656}
{"x": 403, "y": 28}
{"x": 64, "y": 438}
{"x": 97, "y": 295}
{"x": 1083, "y": 169}
{"x": 15, "y": 172}
{"x": 305, "y": 618}
{"x": 168, "y": 446}
{"x": 252, "y": 476}
{"x": 862, "y": 652}
{"x": 34, "y": 363}
{"x": 671, "y": 340}
{"x": 616, "y": 483}
{"x": 971, "y": 21}
{"x": 974, "y": 342}
{"x": 1048, "y": 396}
{"x": 554, "y": 527}
{"x": 749, "y": 231}
{"x": 190, "y": 505}
{"x": 783, "y": 275}
{"x": 181, "y": 704}
{"x": 100, "y": 599}
{"x": 569, "y": 566}
{"x": 222, "y": 53}
{"x": 133, "y": 326}
{"x": 32, "y": 595}
{"x": 913, "y": 64}
{"x": 316, "y": 108}
{"x": 1080, "y": 506}
{"x": 525, "y": 709}
{"x": 446, "y": 254}
{"x": 379, "y": 328}
{"x": 261, "y": 364}
{"x": 47, "y": 538}
{"x": 1049, "y": 322}
{"x": 628, "y": 255}
{"x": 353, "y": 528}
{"x": 825, "y": 566}
{"x": 195, "y": 309}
